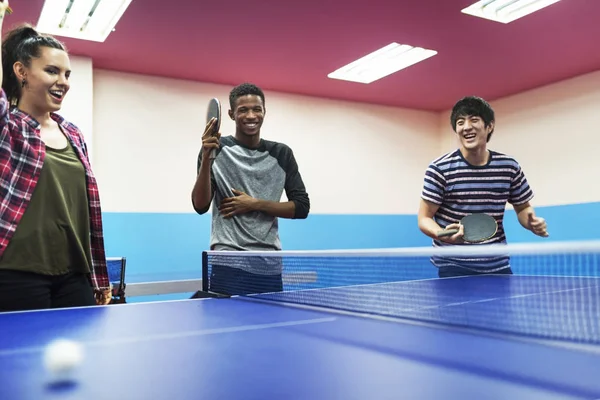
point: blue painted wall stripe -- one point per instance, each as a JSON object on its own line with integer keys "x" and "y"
{"x": 169, "y": 246}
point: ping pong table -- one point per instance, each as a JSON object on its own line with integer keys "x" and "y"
{"x": 280, "y": 345}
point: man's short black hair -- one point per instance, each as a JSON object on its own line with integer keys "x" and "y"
{"x": 243, "y": 90}
{"x": 473, "y": 106}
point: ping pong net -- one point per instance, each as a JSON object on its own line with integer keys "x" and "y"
{"x": 553, "y": 292}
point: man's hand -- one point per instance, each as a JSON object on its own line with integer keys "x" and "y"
{"x": 537, "y": 225}
{"x": 240, "y": 204}
{"x": 103, "y": 296}
{"x": 210, "y": 141}
{"x": 457, "y": 237}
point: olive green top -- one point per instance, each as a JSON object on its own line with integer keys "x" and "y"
{"x": 53, "y": 237}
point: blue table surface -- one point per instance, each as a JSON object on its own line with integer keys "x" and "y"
{"x": 242, "y": 348}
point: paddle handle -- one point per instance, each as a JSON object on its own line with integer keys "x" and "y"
{"x": 448, "y": 232}
{"x": 213, "y": 152}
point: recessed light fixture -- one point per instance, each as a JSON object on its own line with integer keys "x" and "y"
{"x": 82, "y": 19}
{"x": 506, "y": 11}
{"x": 383, "y": 62}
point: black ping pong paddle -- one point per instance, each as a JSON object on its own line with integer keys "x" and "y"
{"x": 477, "y": 228}
{"x": 214, "y": 111}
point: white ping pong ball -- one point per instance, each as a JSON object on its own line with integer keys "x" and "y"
{"x": 62, "y": 356}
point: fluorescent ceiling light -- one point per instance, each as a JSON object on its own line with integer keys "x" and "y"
{"x": 81, "y": 19}
{"x": 383, "y": 62}
{"x": 506, "y": 11}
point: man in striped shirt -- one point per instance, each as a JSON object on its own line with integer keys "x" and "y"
{"x": 474, "y": 179}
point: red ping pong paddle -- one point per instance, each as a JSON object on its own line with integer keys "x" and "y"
{"x": 477, "y": 228}
{"x": 214, "y": 111}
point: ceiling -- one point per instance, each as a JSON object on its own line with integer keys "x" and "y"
{"x": 291, "y": 46}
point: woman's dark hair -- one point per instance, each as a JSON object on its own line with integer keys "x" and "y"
{"x": 22, "y": 43}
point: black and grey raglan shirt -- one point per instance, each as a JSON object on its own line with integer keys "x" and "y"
{"x": 263, "y": 173}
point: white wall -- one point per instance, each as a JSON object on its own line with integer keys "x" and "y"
{"x": 354, "y": 158}
{"x": 78, "y": 105}
{"x": 554, "y": 133}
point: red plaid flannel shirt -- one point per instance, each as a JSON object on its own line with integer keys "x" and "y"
{"x": 22, "y": 154}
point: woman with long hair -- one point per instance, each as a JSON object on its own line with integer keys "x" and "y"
{"x": 51, "y": 240}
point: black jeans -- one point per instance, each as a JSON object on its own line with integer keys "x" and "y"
{"x": 20, "y": 291}
{"x": 449, "y": 272}
{"x": 235, "y": 281}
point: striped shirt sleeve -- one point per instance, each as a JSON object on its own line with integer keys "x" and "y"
{"x": 433, "y": 185}
{"x": 520, "y": 191}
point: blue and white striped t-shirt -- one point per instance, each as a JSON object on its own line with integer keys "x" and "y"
{"x": 460, "y": 188}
